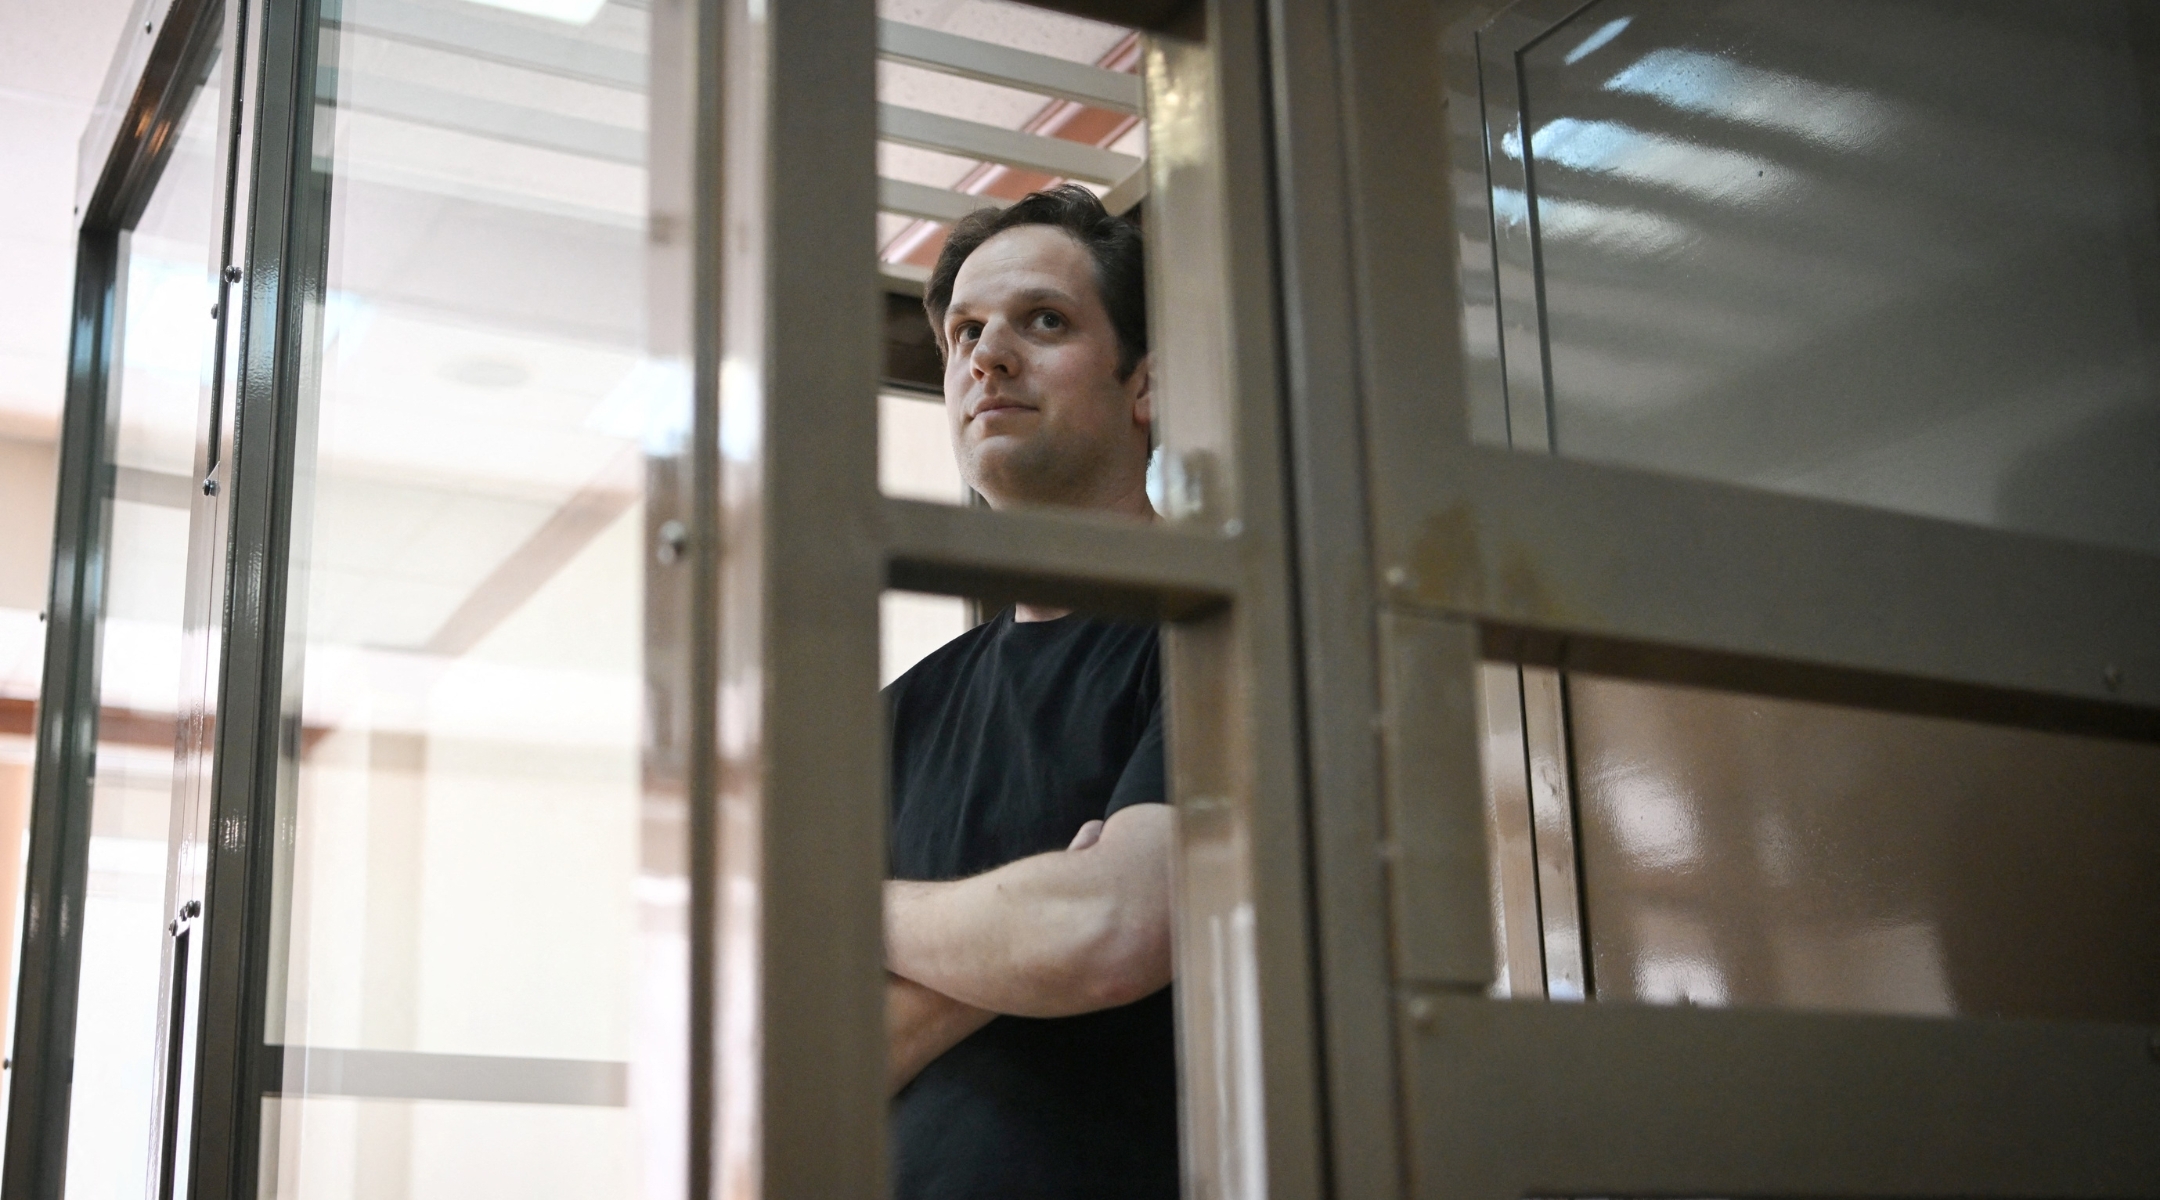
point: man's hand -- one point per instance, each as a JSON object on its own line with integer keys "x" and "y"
{"x": 1089, "y": 834}
{"x": 920, "y": 1025}
{"x": 1068, "y": 932}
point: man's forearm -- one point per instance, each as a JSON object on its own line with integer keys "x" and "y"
{"x": 920, "y": 1025}
{"x": 1054, "y": 935}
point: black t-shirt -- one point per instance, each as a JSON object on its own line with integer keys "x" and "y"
{"x": 1004, "y": 742}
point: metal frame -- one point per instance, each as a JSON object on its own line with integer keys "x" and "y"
{"x": 800, "y": 833}
{"x": 1479, "y": 553}
{"x": 158, "y": 76}
{"x": 42, "y": 1062}
{"x": 682, "y": 481}
{"x": 282, "y": 243}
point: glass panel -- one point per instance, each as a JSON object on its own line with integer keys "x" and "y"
{"x": 467, "y": 899}
{"x": 1737, "y": 850}
{"x": 368, "y": 1149}
{"x": 166, "y": 293}
{"x": 1903, "y": 254}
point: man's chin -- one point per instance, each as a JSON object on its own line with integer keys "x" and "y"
{"x": 1010, "y": 467}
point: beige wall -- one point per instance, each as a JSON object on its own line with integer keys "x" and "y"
{"x": 26, "y": 507}
{"x": 14, "y": 821}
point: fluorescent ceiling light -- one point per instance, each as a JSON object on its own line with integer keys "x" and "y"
{"x": 574, "y": 12}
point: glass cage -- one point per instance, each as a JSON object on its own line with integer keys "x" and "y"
{"x": 1656, "y": 578}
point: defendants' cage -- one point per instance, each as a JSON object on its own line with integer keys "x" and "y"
{"x": 692, "y": 447}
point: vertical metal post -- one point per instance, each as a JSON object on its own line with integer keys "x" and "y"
{"x": 1252, "y": 1121}
{"x": 257, "y": 729}
{"x": 43, "y": 1057}
{"x": 682, "y": 611}
{"x": 1337, "y": 594}
{"x": 801, "y": 834}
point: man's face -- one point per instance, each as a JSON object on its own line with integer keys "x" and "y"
{"x": 1039, "y": 415}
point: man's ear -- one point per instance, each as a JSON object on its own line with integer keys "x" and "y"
{"x": 1138, "y": 385}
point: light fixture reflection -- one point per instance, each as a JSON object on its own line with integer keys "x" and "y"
{"x": 1597, "y": 41}
{"x": 1689, "y": 80}
{"x": 1612, "y": 148}
{"x": 570, "y": 12}
{"x": 1624, "y": 231}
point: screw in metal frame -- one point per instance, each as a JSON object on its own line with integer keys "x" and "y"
{"x": 674, "y": 539}
{"x": 1424, "y": 1013}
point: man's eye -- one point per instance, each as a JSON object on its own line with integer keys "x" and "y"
{"x": 1050, "y": 320}
{"x": 968, "y": 332}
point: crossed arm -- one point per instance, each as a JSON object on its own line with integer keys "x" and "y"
{"x": 1067, "y": 932}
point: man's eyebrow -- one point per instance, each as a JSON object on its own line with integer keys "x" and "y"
{"x": 1032, "y": 295}
{"x": 1028, "y": 296}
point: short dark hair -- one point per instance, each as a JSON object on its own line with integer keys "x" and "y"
{"x": 1112, "y": 241}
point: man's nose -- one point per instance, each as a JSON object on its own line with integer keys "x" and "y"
{"x": 994, "y": 351}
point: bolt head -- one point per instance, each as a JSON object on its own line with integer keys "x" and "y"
{"x": 674, "y": 540}
{"x": 1423, "y": 1013}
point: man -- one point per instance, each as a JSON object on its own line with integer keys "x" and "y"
{"x": 1028, "y": 920}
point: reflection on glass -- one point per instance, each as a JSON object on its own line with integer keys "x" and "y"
{"x": 1781, "y": 249}
{"x": 1738, "y": 850}
{"x": 472, "y": 925}
{"x": 165, "y": 297}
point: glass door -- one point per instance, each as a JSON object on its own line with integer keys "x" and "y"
{"x": 132, "y": 926}
{"x": 105, "y": 982}
{"x": 461, "y": 894}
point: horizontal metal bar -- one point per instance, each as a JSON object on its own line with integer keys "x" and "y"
{"x": 135, "y": 125}
{"x": 1626, "y": 572}
{"x": 992, "y": 143}
{"x": 992, "y": 63}
{"x": 1127, "y": 194}
{"x": 470, "y": 31}
{"x": 444, "y": 109}
{"x": 1097, "y": 565}
{"x": 930, "y": 203}
{"x": 905, "y": 279}
{"x": 478, "y": 35}
{"x": 405, "y": 1075}
{"x": 1512, "y": 1099}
